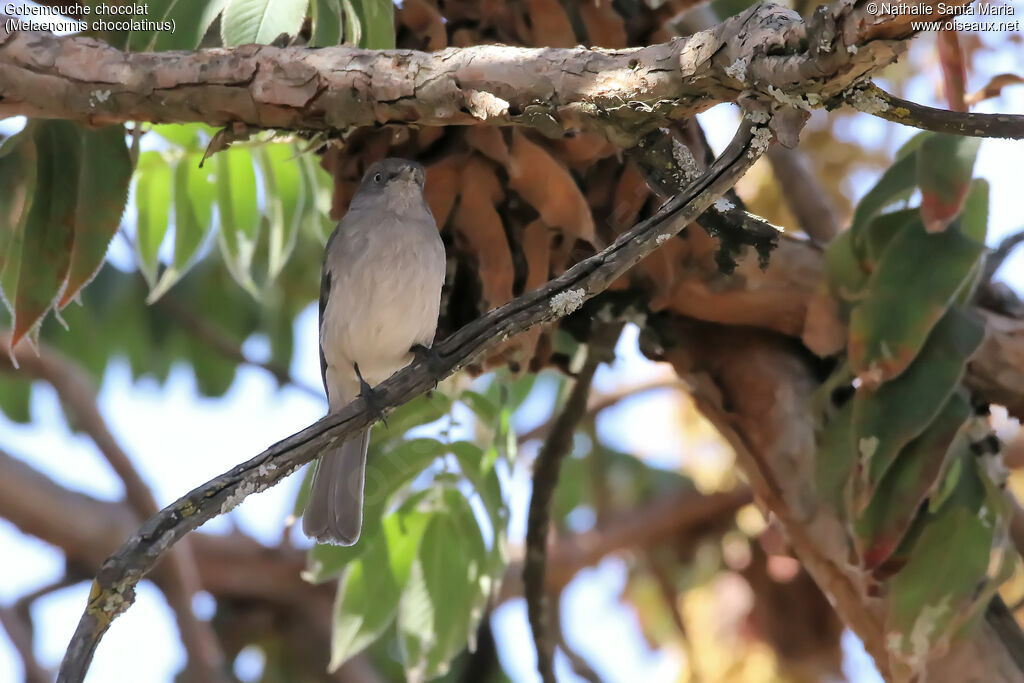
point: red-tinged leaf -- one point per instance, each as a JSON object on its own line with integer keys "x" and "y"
{"x": 945, "y": 575}
{"x": 18, "y": 178}
{"x": 902, "y": 304}
{"x": 994, "y": 88}
{"x": 914, "y": 476}
{"x": 889, "y": 417}
{"x": 103, "y": 178}
{"x": 954, "y": 73}
{"x": 50, "y": 225}
{"x": 944, "y": 167}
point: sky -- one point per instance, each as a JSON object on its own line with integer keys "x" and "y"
{"x": 180, "y": 440}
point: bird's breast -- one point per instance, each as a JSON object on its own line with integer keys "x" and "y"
{"x": 385, "y": 295}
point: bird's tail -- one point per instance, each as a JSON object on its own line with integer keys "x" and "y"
{"x": 334, "y": 513}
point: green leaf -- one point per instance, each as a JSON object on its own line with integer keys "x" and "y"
{"x": 260, "y": 21}
{"x": 192, "y": 19}
{"x": 153, "y": 201}
{"x": 438, "y": 609}
{"x": 186, "y": 135}
{"x": 239, "y": 214}
{"x": 191, "y": 24}
{"x": 318, "y": 186}
{"x": 376, "y": 22}
{"x": 974, "y": 218}
{"x": 18, "y": 177}
{"x": 326, "y": 20}
{"x": 897, "y": 183}
{"x": 889, "y": 417}
{"x": 194, "y": 191}
{"x": 902, "y": 304}
{"x": 836, "y": 459}
{"x": 15, "y": 399}
{"x": 368, "y": 594}
{"x": 478, "y": 467}
{"x": 944, "y": 167}
{"x": 913, "y": 477}
{"x": 286, "y": 202}
{"x": 386, "y": 473}
{"x": 103, "y": 179}
{"x": 929, "y": 596}
{"x": 50, "y": 226}
{"x": 419, "y": 411}
{"x": 481, "y": 406}
{"x": 844, "y": 267}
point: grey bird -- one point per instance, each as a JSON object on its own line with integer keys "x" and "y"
{"x": 380, "y": 292}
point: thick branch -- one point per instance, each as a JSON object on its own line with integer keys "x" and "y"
{"x": 545, "y": 88}
{"x": 113, "y": 590}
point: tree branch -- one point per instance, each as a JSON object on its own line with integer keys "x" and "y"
{"x": 873, "y": 100}
{"x": 804, "y": 195}
{"x": 113, "y": 589}
{"x": 77, "y": 393}
{"x": 545, "y": 478}
{"x": 621, "y": 92}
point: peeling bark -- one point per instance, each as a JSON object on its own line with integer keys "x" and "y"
{"x": 620, "y": 92}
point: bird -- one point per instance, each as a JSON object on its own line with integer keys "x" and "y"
{"x": 380, "y": 296}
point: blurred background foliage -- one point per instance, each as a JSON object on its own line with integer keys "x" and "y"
{"x": 214, "y": 252}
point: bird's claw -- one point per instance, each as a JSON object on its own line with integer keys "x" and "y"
{"x": 430, "y": 358}
{"x": 370, "y": 397}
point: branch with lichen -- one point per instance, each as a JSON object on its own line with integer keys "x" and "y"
{"x": 113, "y": 590}
{"x": 875, "y": 101}
{"x": 767, "y": 51}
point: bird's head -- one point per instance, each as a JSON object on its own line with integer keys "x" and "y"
{"x": 397, "y": 183}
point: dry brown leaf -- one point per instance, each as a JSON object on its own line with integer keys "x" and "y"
{"x": 551, "y": 26}
{"x": 631, "y": 194}
{"x": 582, "y": 149}
{"x": 422, "y": 18}
{"x": 549, "y": 187}
{"x": 994, "y": 88}
{"x": 536, "y": 245}
{"x": 480, "y": 231}
{"x": 605, "y": 27}
{"x": 442, "y": 187}
{"x": 824, "y": 333}
{"x": 488, "y": 141}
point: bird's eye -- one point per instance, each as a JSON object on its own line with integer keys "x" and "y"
{"x": 378, "y": 178}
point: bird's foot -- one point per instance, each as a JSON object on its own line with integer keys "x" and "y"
{"x": 430, "y": 358}
{"x": 370, "y": 397}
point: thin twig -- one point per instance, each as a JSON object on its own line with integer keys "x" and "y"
{"x": 113, "y": 590}
{"x": 804, "y": 195}
{"x": 873, "y": 100}
{"x": 545, "y": 478}
{"x": 76, "y": 392}
{"x": 995, "y": 259}
{"x": 602, "y": 402}
{"x": 222, "y": 343}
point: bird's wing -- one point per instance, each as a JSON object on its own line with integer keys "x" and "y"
{"x": 325, "y": 292}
